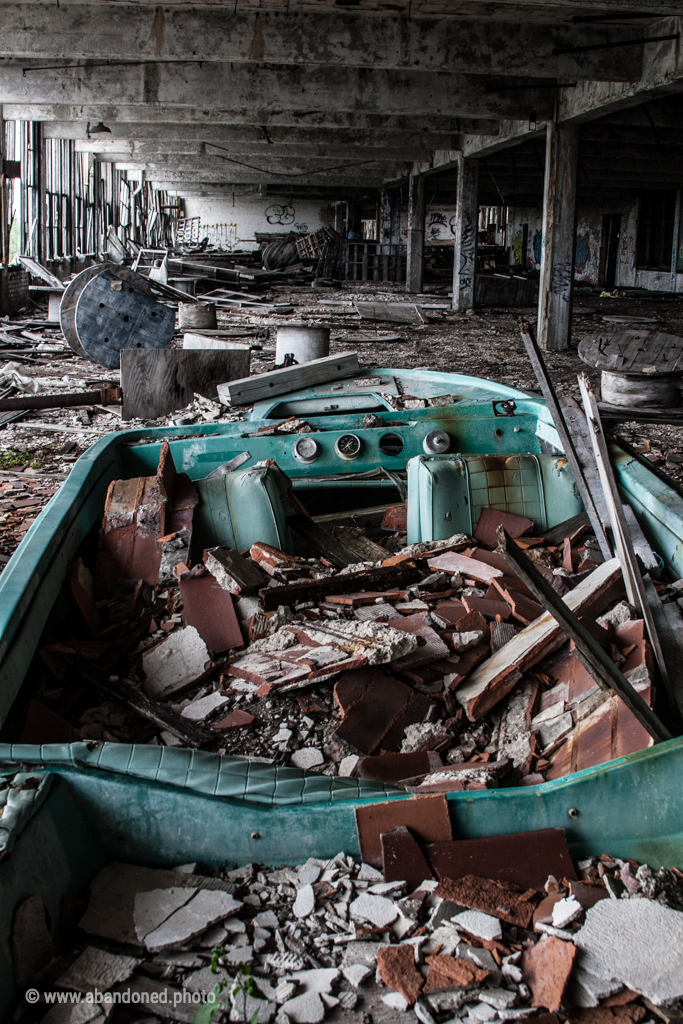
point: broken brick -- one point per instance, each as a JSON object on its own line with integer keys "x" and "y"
{"x": 452, "y": 972}
{"x": 397, "y": 969}
{"x": 504, "y": 900}
{"x": 491, "y": 519}
{"x": 209, "y": 608}
{"x": 546, "y": 968}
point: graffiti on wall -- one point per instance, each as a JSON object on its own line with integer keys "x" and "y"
{"x": 279, "y": 214}
{"x": 467, "y": 252}
{"x": 222, "y": 236}
{"x": 562, "y": 279}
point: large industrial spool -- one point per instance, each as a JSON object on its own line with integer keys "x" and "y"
{"x": 106, "y": 309}
{"x": 640, "y": 369}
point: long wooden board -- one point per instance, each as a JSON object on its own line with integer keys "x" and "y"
{"x": 391, "y": 312}
{"x": 247, "y": 390}
{"x": 494, "y": 679}
{"x": 156, "y": 382}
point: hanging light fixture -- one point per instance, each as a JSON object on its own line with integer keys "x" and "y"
{"x": 99, "y": 129}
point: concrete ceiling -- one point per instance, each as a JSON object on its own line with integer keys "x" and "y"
{"x": 338, "y": 92}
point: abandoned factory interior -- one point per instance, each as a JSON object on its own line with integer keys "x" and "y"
{"x": 341, "y": 512}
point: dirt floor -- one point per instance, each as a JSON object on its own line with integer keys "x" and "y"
{"x": 38, "y": 451}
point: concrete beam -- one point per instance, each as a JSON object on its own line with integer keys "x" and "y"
{"x": 160, "y": 114}
{"x": 256, "y": 88}
{"x": 327, "y": 38}
{"x": 368, "y": 175}
{"x": 340, "y": 151}
{"x": 662, "y": 74}
{"x": 232, "y": 135}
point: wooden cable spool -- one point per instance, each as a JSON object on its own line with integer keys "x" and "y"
{"x": 641, "y": 369}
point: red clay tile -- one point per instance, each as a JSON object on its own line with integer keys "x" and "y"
{"x": 209, "y": 608}
{"x": 402, "y": 858}
{"x": 500, "y": 899}
{"x": 489, "y": 521}
{"x": 468, "y": 661}
{"x": 487, "y": 609}
{"x": 392, "y": 768}
{"x": 451, "y": 972}
{"x": 397, "y": 970}
{"x": 470, "y": 567}
{"x": 546, "y": 969}
{"x": 523, "y": 858}
{"x": 235, "y": 720}
{"x": 427, "y": 818}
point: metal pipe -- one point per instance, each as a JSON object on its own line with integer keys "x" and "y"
{"x": 105, "y": 396}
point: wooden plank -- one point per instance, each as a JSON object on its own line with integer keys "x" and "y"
{"x": 156, "y": 382}
{"x": 566, "y": 436}
{"x": 556, "y": 534}
{"x": 669, "y": 626}
{"x": 634, "y": 582}
{"x": 588, "y": 650}
{"x": 384, "y": 578}
{"x": 247, "y": 390}
{"x": 392, "y": 312}
{"x": 494, "y": 679}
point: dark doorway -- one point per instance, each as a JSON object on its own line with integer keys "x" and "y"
{"x": 609, "y": 250}
{"x": 656, "y": 214}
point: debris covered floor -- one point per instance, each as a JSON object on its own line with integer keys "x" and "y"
{"x": 38, "y": 449}
{"x": 409, "y": 927}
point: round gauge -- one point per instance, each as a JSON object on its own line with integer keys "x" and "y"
{"x": 306, "y": 449}
{"x": 437, "y": 442}
{"x": 348, "y": 446}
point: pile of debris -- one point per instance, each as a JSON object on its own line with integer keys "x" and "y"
{"x": 409, "y": 926}
{"x": 428, "y": 666}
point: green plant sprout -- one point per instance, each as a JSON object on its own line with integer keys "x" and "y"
{"x": 219, "y": 999}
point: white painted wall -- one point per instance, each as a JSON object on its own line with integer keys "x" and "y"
{"x": 249, "y": 214}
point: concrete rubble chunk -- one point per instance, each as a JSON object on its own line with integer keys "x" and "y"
{"x": 631, "y": 941}
{"x": 379, "y": 910}
{"x": 204, "y": 909}
{"x": 232, "y": 571}
{"x": 202, "y": 707}
{"x": 566, "y": 911}
{"x": 175, "y": 663}
{"x": 305, "y": 902}
{"x": 482, "y": 925}
{"x": 155, "y": 907}
{"x": 97, "y": 969}
{"x": 306, "y": 757}
{"x": 356, "y": 974}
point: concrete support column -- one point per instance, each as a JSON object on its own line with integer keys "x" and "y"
{"x": 466, "y": 226}
{"x": 416, "y": 233}
{"x": 558, "y": 237}
{"x": 4, "y": 225}
{"x": 676, "y": 239}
